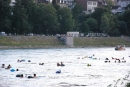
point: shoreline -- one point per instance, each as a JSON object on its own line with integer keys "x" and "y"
{"x": 49, "y": 47}
{"x": 47, "y": 42}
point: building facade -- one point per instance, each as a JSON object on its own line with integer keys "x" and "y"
{"x": 123, "y": 3}
{"x": 91, "y": 5}
{"x": 72, "y": 34}
{"x": 42, "y": 1}
{"x": 12, "y": 3}
{"x": 88, "y": 5}
{"x": 117, "y": 9}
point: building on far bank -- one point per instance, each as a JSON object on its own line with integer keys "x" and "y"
{"x": 12, "y": 3}
{"x": 73, "y": 34}
{"x": 69, "y": 41}
{"x": 90, "y": 5}
{"x": 117, "y": 10}
{"x": 43, "y": 1}
{"x": 123, "y": 3}
{"x": 3, "y": 34}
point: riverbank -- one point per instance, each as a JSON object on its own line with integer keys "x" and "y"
{"x": 28, "y": 42}
{"x": 102, "y": 41}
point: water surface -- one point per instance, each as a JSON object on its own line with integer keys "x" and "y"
{"x": 75, "y": 73}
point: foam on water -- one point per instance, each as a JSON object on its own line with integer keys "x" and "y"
{"x": 74, "y": 73}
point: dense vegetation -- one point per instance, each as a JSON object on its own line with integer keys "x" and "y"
{"x": 50, "y": 19}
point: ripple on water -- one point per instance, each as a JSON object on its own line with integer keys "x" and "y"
{"x": 75, "y": 73}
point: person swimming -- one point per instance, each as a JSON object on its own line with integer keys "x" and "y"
{"x": 18, "y": 60}
{"x": 3, "y": 66}
{"x": 58, "y": 64}
{"x": 106, "y": 59}
{"x": 19, "y": 75}
{"x": 41, "y": 63}
{"x": 34, "y": 76}
{"x": 62, "y": 64}
{"x": 8, "y": 67}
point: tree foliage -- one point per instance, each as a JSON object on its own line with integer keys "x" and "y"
{"x": 92, "y": 23}
{"x": 126, "y": 18}
{"x": 98, "y": 13}
{"x": 105, "y": 25}
{"x": 5, "y": 16}
{"x": 20, "y": 18}
{"x": 54, "y": 3}
{"x": 76, "y": 11}
{"x": 114, "y": 26}
{"x": 66, "y": 20}
{"x": 28, "y": 17}
{"x": 84, "y": 27}
{"x": 123, "y": 28}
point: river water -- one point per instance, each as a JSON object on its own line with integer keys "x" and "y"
{"x": 75, "y": 73}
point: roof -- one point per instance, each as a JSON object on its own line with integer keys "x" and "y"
{"x": 124, "y": 0}
{"x": 115, "y": 7}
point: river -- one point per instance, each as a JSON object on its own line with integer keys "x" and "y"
{"x": 75, "y": 73}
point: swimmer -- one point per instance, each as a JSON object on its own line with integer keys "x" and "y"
{"x": 62, "y": 64}
{"x": 34, "y": 76}
{"x": 3, "y": 66}
{"x": 8, "y": 67}
{"x": 58, "y": 64}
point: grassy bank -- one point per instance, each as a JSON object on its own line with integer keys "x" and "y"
{"x": 29, "y": 42}
{"x": 101, "y": 41}
{"x": 48, "y": 41}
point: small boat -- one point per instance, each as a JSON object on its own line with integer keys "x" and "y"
{"x": 122, "y": 47}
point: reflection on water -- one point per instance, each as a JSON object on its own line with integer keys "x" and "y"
{"x": 75, "y": 73}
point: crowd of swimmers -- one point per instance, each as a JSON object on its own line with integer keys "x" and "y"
{"x": 30, "y": 76}
{"x": 8, "y": 67}
{"x": 34, "y": 75}
{"x": 117, "y": 60}
{"x": 18, "y": 75}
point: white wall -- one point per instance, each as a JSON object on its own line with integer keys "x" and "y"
{"x": 91, "y": 5}
{"x": 69, "y": 41}
{"x": 73, "y": 34}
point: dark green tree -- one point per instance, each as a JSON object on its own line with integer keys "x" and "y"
{"x": 105, "y": 26}
{"x": 114, "y": 26}
{"x": 76, "y": 11}
{"x": 98, "y": 13}
{"x": 29, "y": 7}
{"x": 50, "y": 19}
{"x": 126, "y": 18}
{"x": 20, "y": 19}
{"x": 36, "y": 19}
{"x": 5, "y": 16}
{"x": 45, "y": 19}
{"x": 123, "y": 28}
{"x": 82, "y": 17}
{"x": 66, "y": 20}
{"x": 93, "y": 25}
{"x": 54, "y": 3}
{"x": 84, "y": 27}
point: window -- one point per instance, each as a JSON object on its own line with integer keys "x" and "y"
{"x": 39, "y": 0}
{"x": 94, "y": 3}
{"x": 93, "y": 8}
{"x": 89, "y": 3}
{"x": 89, "y": 8}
